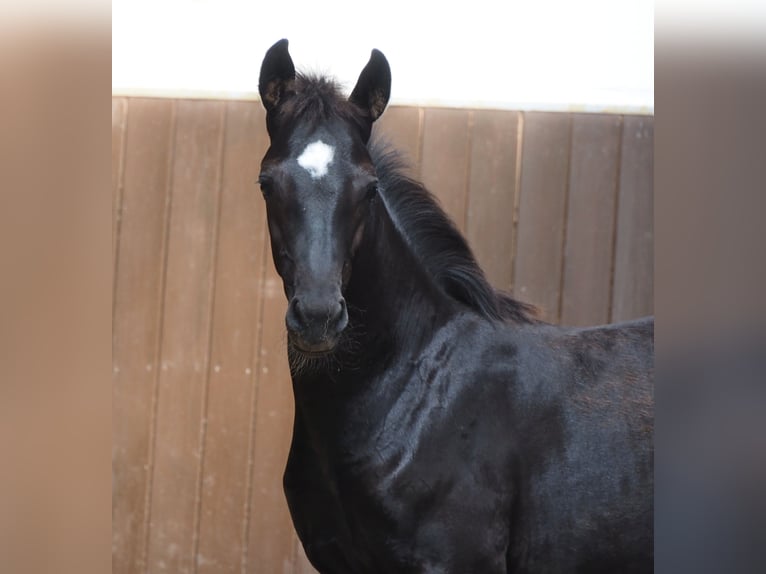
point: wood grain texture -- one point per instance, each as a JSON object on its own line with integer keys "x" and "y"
{"x": 542, "y": 210}
{"x": 235, "y": 340}
{"x": 184, "y": 365}
{"x": 445, "y": 159}
{"x": 590, "y": 224}
{"x": 492, "y": 188}
{"x": 136, "y": 326}
{"x": 634, "y": 246}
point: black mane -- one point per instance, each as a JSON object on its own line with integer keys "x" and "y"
{"x": 437, "y": 243}
{"x": 435, "y": 240}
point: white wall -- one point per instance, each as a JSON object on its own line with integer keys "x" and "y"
{"x": 561, "y": 55}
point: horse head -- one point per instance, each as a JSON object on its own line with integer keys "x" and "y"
{"x": 318, "y": 182}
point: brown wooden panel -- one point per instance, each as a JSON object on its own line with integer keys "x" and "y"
{"x": 542, "y": 206}
{"x": 119, "y": 117}
{"x": 136, "y": 325}
{"x": 402, "y": 126}
{"x": 186, "y": 335}
{"x": 634, "y": 247}
{"x": 270, "y": 540}
{"x": 445, "y": 159}
{"x": 491, "y": 192}
{"x": 590, "y": 219}
{"x": 236, "y": 330}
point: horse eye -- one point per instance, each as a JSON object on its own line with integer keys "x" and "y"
{"x": 372, "y": 190}
{"x": 267, "y": 185}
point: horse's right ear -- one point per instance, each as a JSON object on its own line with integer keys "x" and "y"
{"x": 277, "y": 73}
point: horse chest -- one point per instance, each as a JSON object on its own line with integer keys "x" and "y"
{"x": 397, "y": 494}
{"x": 347, "y": 519}
{"x": 366, "y": 523}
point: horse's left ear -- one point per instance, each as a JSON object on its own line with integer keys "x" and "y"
{"x": 374, "y": 86}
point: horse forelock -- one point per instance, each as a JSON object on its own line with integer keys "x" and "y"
{"x": 314, "y": 98}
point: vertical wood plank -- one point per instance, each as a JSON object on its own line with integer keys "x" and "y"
{"x": 270, "y": 540}
{"x": 136, "y": 326}
{"x": 186, "y": 332}
{"x": 590, "y": 219}
{"x": 401, "y": 125}
{"x": 542, "y": 205}
{"x": 119, "y": 118}
{"x": 235, "y": 338}
{"x": 491, "y": 192}
{"x": 445, "y": 159}
{"x": 634, "y": 247}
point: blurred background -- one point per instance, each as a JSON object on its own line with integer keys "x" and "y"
{"x": 531, "y": 122}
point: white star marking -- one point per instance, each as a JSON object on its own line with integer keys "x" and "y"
{"x": 316, "y": 158}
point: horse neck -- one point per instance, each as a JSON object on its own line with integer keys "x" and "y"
{"x": 391, "y": 295}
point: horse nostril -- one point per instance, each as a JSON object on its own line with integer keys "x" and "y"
{"x": 342, "y": 317}
{"x": 297, "y": 310}
{"x": 294, "y": 318}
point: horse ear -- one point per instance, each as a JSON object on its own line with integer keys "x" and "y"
{"x": 277, "y": 71}
{"x": 373, "y": 88}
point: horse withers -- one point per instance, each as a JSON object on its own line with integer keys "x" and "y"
{"x": 439, "y": 426}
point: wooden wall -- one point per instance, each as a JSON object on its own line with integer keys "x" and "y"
{"x": 558, "y": 208}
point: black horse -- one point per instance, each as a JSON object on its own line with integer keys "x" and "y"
{"x": 439, "y": 427}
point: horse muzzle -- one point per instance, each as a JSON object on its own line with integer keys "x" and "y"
{"x": 314, "y": 324}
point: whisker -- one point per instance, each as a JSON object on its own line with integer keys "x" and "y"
{"x": 345, "y": 356}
